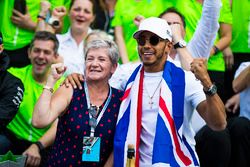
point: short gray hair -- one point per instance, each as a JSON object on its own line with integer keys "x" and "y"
{"x": 99, "y": 34}
{"x": 110, "y": 45}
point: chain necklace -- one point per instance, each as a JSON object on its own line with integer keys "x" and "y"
{"x": 151, "y": 97}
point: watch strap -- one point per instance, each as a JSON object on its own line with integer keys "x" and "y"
{"x": 216, "y": 49}
{"x": 180, "y": 44}
{"x": 39, "y": 145}
{"x": 211, "y": 91}
{"x": 48, "y": 88}
{"x": 177, "y": 45}
{"x": 41, "y": 17}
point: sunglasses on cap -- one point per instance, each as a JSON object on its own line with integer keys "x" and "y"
{"x": 153, "y": 40}
{"x": 93, "y": 110}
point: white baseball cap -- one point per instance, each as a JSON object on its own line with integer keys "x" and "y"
{"x": 155, "y": 25}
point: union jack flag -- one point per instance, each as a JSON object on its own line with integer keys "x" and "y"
{"x": 170, "y": 147}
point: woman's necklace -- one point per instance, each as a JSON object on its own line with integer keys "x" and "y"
{"x": 151, "y": 97}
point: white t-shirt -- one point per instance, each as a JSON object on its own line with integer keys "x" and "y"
{"x": 151, "y": 88}
{"x": 194, "y": 95}
{"x": 245, "y": 94}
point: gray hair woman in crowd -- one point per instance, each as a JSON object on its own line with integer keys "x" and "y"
{"x": 87, "y": 117}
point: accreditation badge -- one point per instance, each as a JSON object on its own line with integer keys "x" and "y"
{"x": 91, "y": 149}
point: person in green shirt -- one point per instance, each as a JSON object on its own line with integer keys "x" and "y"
{"x": 18, "y": 27}
{"x": 21, "y": 137}
{"x": 192, "y": 10}
{"x": 126, "y": 12}
{"x": 239, "y": 48}
{"x": 240, "y": 44}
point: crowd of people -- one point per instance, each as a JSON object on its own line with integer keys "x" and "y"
{"x": 84, "y": 80}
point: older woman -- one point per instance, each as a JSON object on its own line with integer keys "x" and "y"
{"x": 87, "y": 117}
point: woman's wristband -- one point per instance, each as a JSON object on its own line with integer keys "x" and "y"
{"x": 48, "y": 88}
{"x": 216, "y": 49}
{"x": 40, "y": 17}
{"x": 39, "y": 145}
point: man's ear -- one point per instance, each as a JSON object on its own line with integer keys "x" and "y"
{"x": 29, "y": 52}
{"x": 169, "y": 46}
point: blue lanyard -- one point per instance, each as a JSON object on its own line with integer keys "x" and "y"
{"x": 103, "y": 109}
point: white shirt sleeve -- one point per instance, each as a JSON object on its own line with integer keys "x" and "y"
{"x": 194, "y": 90}
{"x": 194, "y": 95}
{"x": 207, "y": 28}
{"x": 122, "y": 73}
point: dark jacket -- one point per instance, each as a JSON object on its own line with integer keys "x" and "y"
{"x": 11, "y": 93}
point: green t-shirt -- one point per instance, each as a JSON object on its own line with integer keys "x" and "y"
{"x": 241, "y": 26}
{"x": 126, "y": 11}
{"x": 14, "y": 37}
{"x": 192, "y": 11}
{"x": 66, "y": 20}
{"x": 21, "y": 125}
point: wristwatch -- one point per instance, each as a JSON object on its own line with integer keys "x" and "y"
{"x": 180, "y": 44}
{"x": 53, "y": 22}
{"x": 39, "y": 145}
{"x": 211, "y": 91}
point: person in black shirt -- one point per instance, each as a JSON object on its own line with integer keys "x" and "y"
{"x": 11, "y": 91}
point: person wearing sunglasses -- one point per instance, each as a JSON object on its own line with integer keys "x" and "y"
{"x": 153, "y": 114}
{"x": 87, "y": 117}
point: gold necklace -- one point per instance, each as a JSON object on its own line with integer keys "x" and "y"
{"x": 151, "y": 97}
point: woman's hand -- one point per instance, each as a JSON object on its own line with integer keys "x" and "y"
{"x": 57, "y": 70}
{"x": 44, "y": 8}
{"x": 59, "y": 12}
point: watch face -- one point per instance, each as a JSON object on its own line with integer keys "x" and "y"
{"x": 214, "y": 89}
{"x": 182, "y": 43}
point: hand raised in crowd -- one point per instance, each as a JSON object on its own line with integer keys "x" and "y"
{"x": 138, "y": 19}
{"x": 33, "y": 156}
{"x": 74, "y": 80}
{"x": 176, "y": 32}
{"x": 199, "y": 68}
{"x": 57, "y": 70}
{"x": 23, "y": 20}
{"x": 59, "y": 12}
{"x": 233, "y": 103}
{"x": 44, "y": 8}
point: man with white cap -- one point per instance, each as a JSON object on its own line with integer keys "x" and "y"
{"x": 152, "y": 116}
